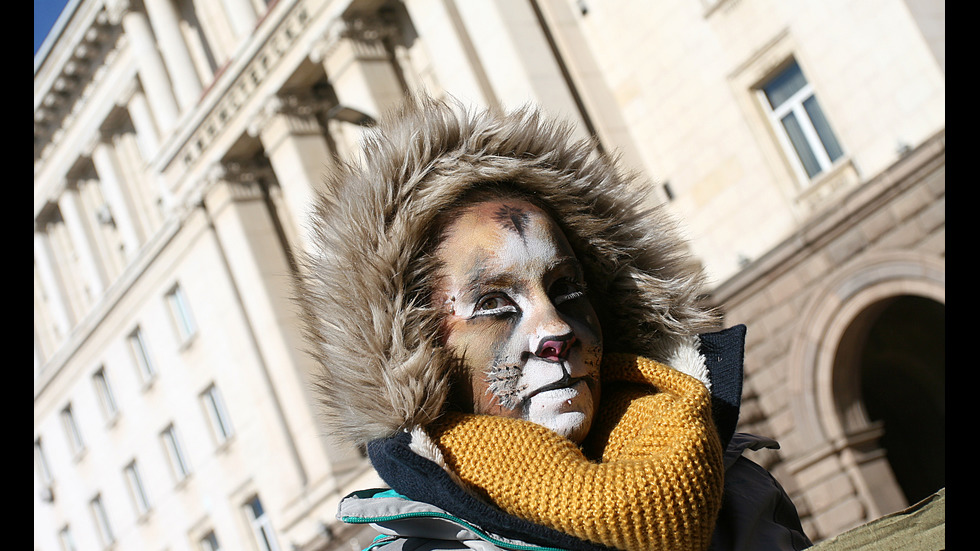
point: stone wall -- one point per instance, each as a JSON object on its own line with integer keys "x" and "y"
{"x": 884, "y": 239}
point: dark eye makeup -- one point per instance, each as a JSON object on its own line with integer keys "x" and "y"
{"x": 494, "y": 304}
{"x": 566, "y": 289}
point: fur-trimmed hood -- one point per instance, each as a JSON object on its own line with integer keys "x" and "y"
{"x": 365, "y": 283}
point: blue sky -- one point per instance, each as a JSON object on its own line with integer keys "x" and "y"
{"x": 45, "y": 14}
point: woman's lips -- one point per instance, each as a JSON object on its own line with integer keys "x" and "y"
{"x": 564, "y": 386}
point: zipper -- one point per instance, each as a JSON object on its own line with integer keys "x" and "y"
{"x": 480, "y": 533}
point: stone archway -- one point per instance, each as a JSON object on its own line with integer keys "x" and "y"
{"x": 899, "y": 348}
{"x": 837, "y": 365}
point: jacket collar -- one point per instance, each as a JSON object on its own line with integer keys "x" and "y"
{"x": 724, "y": 352}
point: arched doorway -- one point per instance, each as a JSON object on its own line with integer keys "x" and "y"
{"x": 903, "y": 384}
{"x": 890, "y": 371}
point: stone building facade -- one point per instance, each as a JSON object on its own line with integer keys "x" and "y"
{"x": 177, "y": 144}
{"x": 845, "y": 355}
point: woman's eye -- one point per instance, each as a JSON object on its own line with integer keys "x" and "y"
{"x": 493, "y": 305}
{"x": 567, "y": 289}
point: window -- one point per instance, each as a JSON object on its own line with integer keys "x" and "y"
{"x": 75, "y": 441}
{"x": 800, "y": 122}
{"x": 175, "y": 453}
{"x": 104, "y": 391}
{"x": 41, "y": 464}
{"x": 214, "y": 405}
{"x": 101, "y": 520}
{"x": 66, "y": 539}
{"x": 261, "y": 527}
{"x": 181, "y": 313}
{"x": 143, "y": 364}
{"x": 136, "y": 489}
{"x": 210, "y": 542}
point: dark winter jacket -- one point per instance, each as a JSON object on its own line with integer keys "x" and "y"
{"x": 756, "y": 513}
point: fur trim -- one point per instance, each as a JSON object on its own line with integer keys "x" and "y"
{"x": 365, "y": 287}
{"x": 688, "y": 359}
{"x": 423, "y": 446}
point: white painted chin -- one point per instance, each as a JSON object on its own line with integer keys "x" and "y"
{"x": 567, "y": 411}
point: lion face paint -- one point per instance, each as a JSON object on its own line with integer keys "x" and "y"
{"x": 518, "y": 317}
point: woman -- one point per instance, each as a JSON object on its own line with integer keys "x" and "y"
{"x": 515, "y": 338}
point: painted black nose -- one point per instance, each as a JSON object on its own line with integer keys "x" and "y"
{"x": 555, "y": 348}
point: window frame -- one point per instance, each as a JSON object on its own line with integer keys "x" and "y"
{"x": 107, "y": 399}
{"x": 76, "y": 443}
{"x": 41, "y": 465}
{"x": 141, "y": 356}
{"x": 137, "y": 489}
{"x": 180, "y": 314}
{"x": 261, "y": 525}
{"x": 66, "y": 539}
{"x": 102, "y": 523}
{"x": 794, "y": 105}
{"x": 209, "y": 542}
{"x": 219, "y": 420}
{"x": 179, "y": 467}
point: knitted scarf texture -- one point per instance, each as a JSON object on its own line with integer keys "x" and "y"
{"x": 656, "y": 480}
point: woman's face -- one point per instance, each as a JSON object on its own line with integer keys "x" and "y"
{"x": 518, "y": 317}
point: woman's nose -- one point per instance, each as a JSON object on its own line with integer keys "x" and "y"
{"x": 549, "y": 335}
{"x": 555, "y": 348}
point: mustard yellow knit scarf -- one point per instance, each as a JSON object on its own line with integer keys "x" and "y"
{"x": 657, "y": 484}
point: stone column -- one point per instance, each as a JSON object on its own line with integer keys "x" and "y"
{"x": 166, "y": 26}
{"x": 150, "y": 66}
{"x": 113, "y": 189}
{"x": 516, "y": 57}
{"x": 56, "y": 292}
{"x": 452, "y": 53}
{"x": 258, "y": 268}
{"x": 298, "y": 151}
{"x": 146, "y": 132}
{"x": 82, "y": 241}
{"x": 241, "y": 15}
{"x": 38, "y": 362}
{"x": 359, "y": 66}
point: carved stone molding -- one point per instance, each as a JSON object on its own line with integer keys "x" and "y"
{"x": 226, "y": 183}
{"x": 246, "y": 86}
{"x": 116, "y": 9}
{"x": 368, "y": 35}
{"x": 299, "y": 108}
{"x": 240, "y": 174}
{"x": 365, "y": 34}
{"x": 74, "y": 79}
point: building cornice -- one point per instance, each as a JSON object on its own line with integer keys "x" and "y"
{"x": 67, "y": 71}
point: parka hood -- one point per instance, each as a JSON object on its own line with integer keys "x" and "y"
{"x": 366, "y": 280}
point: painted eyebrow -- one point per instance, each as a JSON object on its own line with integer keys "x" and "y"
{"x": 567, "y": 261}
{"x": 477, "y": 283}
{"x": 511, "y": 218}
{"x": 506, "y": 279}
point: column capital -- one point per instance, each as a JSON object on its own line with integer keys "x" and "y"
{"x": 364, "y": 28}
{"x": 304, "y": 104}
{"x": 364, "y": 34}
{"x": 323, "y": 47}
{"x": 245, "y": 173}
{"x": 295, "y": 111}
{"x": 230, "y": 182}
{"x": 116, "y": 9}
{"x": 127, "y": 92}
{"x": 99, "y": 138}
{"x": 44, "y": 215}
